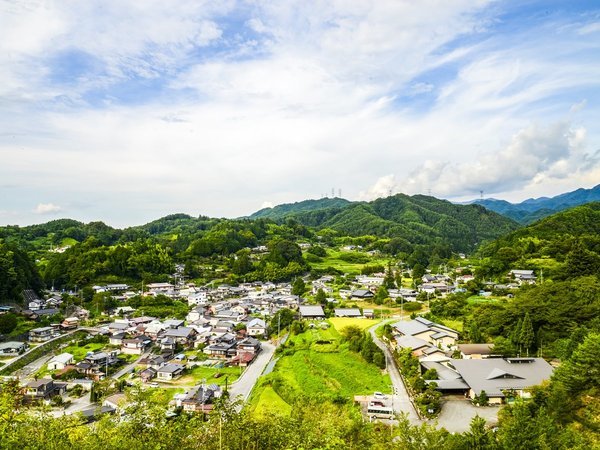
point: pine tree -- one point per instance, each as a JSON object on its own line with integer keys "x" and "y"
{"x": 527, "y": 335}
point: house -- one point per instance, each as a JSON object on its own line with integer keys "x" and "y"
{"x": 200, "y": 399}
{"x": 43, "y": 389}
{"x": 182, "y": 335}
{"x": 118, "y": 327}
{"x": 70, "y": 323}
{"x": 256, "y": 327}
{"x": 148, "y": 374}
{"x": 195, "y": 314}
{"x": 173, "y": 323}
{"x": 475, "y": 351}
{"x": 431, "y": 332}
{"x": 59, "y": 362}
{"x": 523, "y": 276}
{"x": 116, "y": 401}
{"x": 222, "y": 346}
{"x": 41, "y": 334}
{"x": 362, "y": 294}
{"x": 502, "y": 378}
{"x": 135, "y": 346}
{"x": 116, "y": 339}
{"x": 169, "y": 372}
{"x": 347, "y": 312}
{"x": 168, "y": 344}
{"x": 312, "y": 312}
{"x": 369, "y": 313}
{"x": 12, "y": 348}
{"x": 102, "y": 359}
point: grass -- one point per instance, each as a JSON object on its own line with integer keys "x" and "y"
{"x": 198, "y": 373}
{"x": 341, "y": 322}
{"x": 269, "y": 402}
{"x": 480, "y": 299}
{"x": 317, "y": 364}
{"x": 23, "y": 326}
{"x": 333, "y": 260}
{"x": 453, "y": 323}
{"x": 80, "y": 352}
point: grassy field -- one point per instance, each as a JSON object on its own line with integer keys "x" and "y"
{"x": 333, "y": 260}
{"x": 80, "y": 352}
{"x": 269, "y": 402}
{"x": 317, "y": 364}
{"x": 342, "y": 322}
{"x": 198, "y": 373}
{"x": 452, "y": 323}
{"x": 479, "y": 299}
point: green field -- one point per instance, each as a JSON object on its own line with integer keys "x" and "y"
{"x": 317, "y": 364}
{"x": 80, "y": 352}
{"x": 333, "y": 260}
{"x": 341, "y": 322}
{"x": 199, "y": 373}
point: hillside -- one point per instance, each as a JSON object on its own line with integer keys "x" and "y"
{"x": 534, "y": 209}
{"x": 567, "y": 242}
{"x": 287, "y": 209}
{"x": 418, "y": 219}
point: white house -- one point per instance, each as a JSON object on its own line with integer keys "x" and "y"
{"x": 256, "y": 327}
{"x": 59, "y": 362}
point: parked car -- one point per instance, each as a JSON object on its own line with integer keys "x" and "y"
{"x": 379, "y": 395}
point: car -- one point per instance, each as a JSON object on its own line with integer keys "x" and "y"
{"x": 379, "y": 395}
{"x": 155, "y": 385}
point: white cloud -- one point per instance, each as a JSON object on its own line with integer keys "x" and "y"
{"x": 266, "y": 205}
{"x": 534, "y": 155}
{"x": 47, "y": 208}
{"x": 304, "y": 96}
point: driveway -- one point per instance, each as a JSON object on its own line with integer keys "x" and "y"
{"x": 457, "y": 413}
{"x": 400, "y": 400}
{"x": 244, "y": 384}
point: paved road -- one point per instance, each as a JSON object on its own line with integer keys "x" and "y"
{"x": 128, "y": 368}
{"x": 14, "y": 360}
{"x": 244, "y": 384}
{"x": 401, "y": 400}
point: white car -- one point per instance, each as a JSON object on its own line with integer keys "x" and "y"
{"x": 379, "y": 395}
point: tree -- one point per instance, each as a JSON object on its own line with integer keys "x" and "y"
{"x": 526, "y": 335}
{"x": 418, "y": 271}
{"x": 582, "y": 371}
{"x": 8, "y": 322}
{"x": 389, "y": 282}
{"x": 282, "y": 252}
{"x": 381, "y": 295}
{"x": 298, "y": 287}
{"x": 282, "y": 319}
{"x": 321, "y": 298}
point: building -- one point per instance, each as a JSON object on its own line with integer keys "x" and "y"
{"x": 312, "y": 312}
{"x": 59, "y": 362}
{"x": 12, "y": 348}
{"x": 135, "y": 346}
{"x": 431, "y": 332}
{"x": 502, "y": 378}
{"x": 347, "y": 312}
{"x": 169, "y": 372}
{"x": 42, "y": 334}
{"x": 256, "y": 327}
{"x": 475, "y": 351}
{"x": 362, "y": 294}
{"x": 43, "y": 389}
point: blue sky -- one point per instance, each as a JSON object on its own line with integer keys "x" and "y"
{"x": 127, "y": 111}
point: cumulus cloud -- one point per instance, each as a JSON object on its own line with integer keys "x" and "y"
{"x": 47, "y": 208}
{"x": 266, "y": 205}
{"x": 534, "y": 155}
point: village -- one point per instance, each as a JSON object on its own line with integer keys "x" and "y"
{"x": 229, "y": 329}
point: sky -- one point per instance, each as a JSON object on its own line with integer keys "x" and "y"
{"x": 126, "y": 111}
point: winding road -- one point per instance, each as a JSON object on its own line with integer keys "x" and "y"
{"x": 400, "y": 399}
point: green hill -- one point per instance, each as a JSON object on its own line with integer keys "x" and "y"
{"x": 567, "y": 242}
{"x": 418, "y": 219}
{"x": 287, "y": 209}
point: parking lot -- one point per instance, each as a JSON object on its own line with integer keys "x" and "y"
{"x": 458, "y": 411}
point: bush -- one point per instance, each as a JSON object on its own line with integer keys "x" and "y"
{"x": 412, "y": 306}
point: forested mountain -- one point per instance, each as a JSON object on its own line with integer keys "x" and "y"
{"x": 290, "y": 209}
{"x": 417, "y": 220}
{"x": 570, "y": 238}
{"x": 533, "y": 209}
{"x": 17, "y": 272}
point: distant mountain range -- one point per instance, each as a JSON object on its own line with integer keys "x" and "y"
{"x": 414, "y": 219}
{"x": 534, "y": 209}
